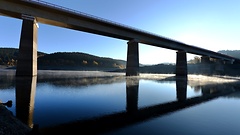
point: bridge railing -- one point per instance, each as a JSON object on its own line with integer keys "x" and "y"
{"x": 72, "y": 11}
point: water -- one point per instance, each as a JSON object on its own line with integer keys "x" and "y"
{"x": 112, "y": 104}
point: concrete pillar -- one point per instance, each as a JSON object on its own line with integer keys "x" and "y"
{"x": 219, "y": 66}
{"x": 25, "y": 98}
{"x": 132, "y": 68}
{"x": 27, "y": 58}
{"x": 181, "y": 64}
{"x": 205, "y": 59}
{"x": 230, "y": 62}
{"x": 132, "y": 95}
{"x": 206, "y": 66}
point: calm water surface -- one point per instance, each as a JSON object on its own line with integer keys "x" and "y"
{"x": 113, "y": 104}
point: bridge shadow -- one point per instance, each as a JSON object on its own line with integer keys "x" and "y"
{"x": 25, "y": 96}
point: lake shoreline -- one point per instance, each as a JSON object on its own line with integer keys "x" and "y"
{"x": 10, "y": 125}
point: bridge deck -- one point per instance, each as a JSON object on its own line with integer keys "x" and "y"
{"x": 59, "y": 16}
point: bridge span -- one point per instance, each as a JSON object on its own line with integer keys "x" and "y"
{"x": 37, "y": 11}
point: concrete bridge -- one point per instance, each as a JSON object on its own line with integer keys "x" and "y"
{"x": 37, "y": 11}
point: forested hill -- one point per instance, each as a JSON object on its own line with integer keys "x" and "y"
{"x": 62, "y": 60}
{"x": 77, "y": 59}
{"x": 233, "y": 53}
{"x": 8, "y": 56}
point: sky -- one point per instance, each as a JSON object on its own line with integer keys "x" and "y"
{"x": 209, "y": 24}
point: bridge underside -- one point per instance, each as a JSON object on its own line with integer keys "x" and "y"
{"x": 27, "y": 60}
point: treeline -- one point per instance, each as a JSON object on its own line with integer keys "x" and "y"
{"x": 9, "y": 56}
{"x": 159, "y": 68}
{"x": 62, "y": 60}
{"x": 77, "y": 59}
{"x": 233, "y": 53}
{"x": 83, "y": 61}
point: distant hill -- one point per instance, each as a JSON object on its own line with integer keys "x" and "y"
{"x": 159, "y": 68}
{"x": 233, "y": 53}
{"x": 77, "y": 60}
{"x": 8, "y": 56}
{"x": 63, "y": 60}
{"x": 83, "y": 61}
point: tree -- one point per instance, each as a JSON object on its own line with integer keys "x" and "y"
{"x": 95, "y": 63}
{"x": 85, "y": 62}
{"x": 195, "y": 60}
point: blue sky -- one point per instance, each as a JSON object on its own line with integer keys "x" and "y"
{"x": 210, "y": 24}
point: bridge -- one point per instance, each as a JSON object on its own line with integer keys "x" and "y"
{"x": 33, "y": 12}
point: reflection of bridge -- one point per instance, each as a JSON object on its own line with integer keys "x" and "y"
{"x": 33, "y": 11}
{"x": 132, "y": 115}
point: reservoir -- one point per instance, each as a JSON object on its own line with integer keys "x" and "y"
{"x": 107, "y": 103}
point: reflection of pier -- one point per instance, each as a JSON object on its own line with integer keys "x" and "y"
{"x": 181, "y": 88}
{"x": 132, "y": 95}
{"x": 25, "y": 96}
{"x": 133, "y": 114}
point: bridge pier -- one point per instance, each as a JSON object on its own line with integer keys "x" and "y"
{"x": 27, "y": 58}
{"x": 219, "y": 66}
{"x": 132, "y": 68}
{"x": 181, "y": 64}
{"x": 205, "y": 59}
{"x": 206, "y": 66}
